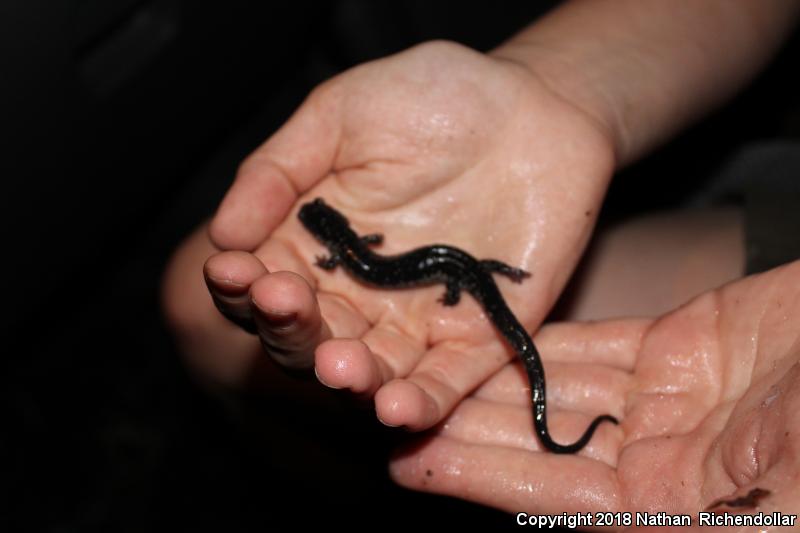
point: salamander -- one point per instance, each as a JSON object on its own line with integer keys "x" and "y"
{"x": 458, "y": 271}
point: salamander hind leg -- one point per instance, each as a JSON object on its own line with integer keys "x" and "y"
{"x": 498, "y": 267}
{"x": 373, "y": 239}
{"x": 452, "y": 294}
{"x": 328, "y": 263}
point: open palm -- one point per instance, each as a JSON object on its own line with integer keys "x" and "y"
{"x": 438, "y": 144}
{"x": 708, "y": 396}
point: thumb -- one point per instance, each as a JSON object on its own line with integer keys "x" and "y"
{"x": 271, "y": 179}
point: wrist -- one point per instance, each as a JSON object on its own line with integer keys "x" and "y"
{"x": 643, "y": 70}
{"x": 567, "y": 82}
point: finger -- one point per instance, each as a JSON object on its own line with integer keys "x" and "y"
{"x": 488, "y": 423}
{"x": 396, "y": 351}
{"x": 348, "y": 364}
{"x": 212, "y": 347}
{"x": 270, "y": 180}
{"x": 590, "y": 389}
{"x": 507, "y": 478}
{"x": 612, "y": 342}
{"x": 228, "y": 277}
{"x": 364, "y": 365}
{"x": 355, "y": 364}
{"x": 343, "y": 319}
{"x": 279, "y": 254}
{"x": 445, "y": 375}
{"x": 288, "y": 319}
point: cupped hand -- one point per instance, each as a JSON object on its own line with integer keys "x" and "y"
{"x": 710, "y": 401}
{"x": 438, "y": 144}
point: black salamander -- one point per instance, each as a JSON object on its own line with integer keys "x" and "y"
{"x": 439, "y": 264}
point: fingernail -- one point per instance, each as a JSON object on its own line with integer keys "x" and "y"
{"x": 386, "y": 423}
{"x": 323, "y": 381}
{"x": 277, "y": 319}
{"x": 226, "y": 287}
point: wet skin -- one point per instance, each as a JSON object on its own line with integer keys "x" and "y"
{"x": 458, "y": 271}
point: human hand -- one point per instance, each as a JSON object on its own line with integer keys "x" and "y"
{"x": 436, "y": 144}
{"x": 708, "y": 396}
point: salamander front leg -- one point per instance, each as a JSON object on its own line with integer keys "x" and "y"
{"x": 498, "y": 267}
{"x": 452, "y": 294}
{"x": 328, "y": 263}
{"x": 373, "y": 239}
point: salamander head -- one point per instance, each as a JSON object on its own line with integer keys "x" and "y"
{"x": 323, "y": 221}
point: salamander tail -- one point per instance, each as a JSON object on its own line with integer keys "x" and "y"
{"x": 551, "y": 445}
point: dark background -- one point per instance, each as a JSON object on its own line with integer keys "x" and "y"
{"x": 122, "y": 125}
